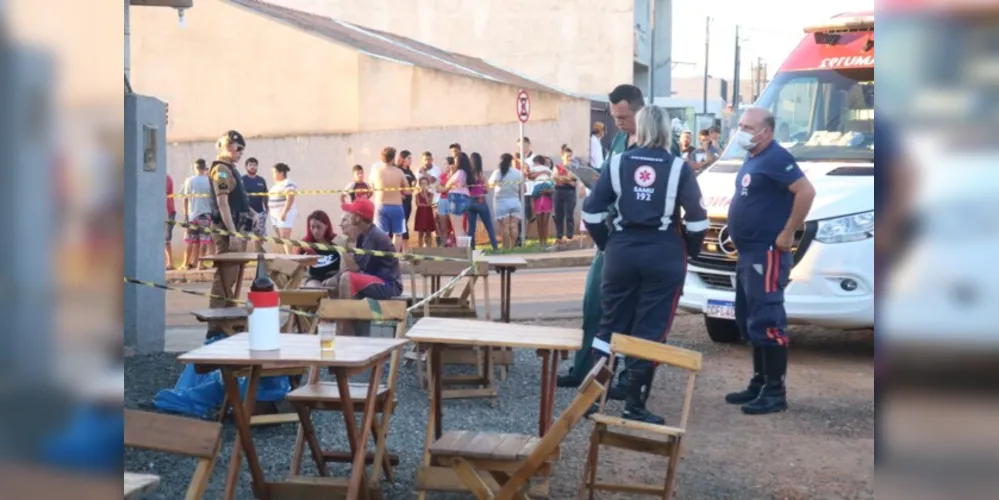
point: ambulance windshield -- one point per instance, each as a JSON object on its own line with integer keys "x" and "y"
{"x": 824, "y": 115}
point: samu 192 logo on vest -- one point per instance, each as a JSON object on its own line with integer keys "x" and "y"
{"x": 747, "y": 179}
{"x": 645, "y": 177}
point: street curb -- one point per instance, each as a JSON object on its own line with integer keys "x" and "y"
{"x": 549, "y": 261}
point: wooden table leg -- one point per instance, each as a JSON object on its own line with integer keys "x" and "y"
{"x": 433, "y": 393}
{"x": 552, "y": 380}
{"x": 543, "y": 417}
{"x": 358, "y": 437}
{"x": 239, "y": 281}
{"x": 489, "y": 306}
{"x": 244, "y": 442}
{"x": 437, "y": 367}
{"x": 504, "y": 294}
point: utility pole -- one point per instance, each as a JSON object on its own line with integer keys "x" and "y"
{"x": 759, "y": 76}
{"x": 652, "y": 51}
{"x": 707, "y": 53}
{"x": 735, "y": 79}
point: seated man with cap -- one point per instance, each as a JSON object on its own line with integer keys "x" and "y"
{"x": 364, "y": 275}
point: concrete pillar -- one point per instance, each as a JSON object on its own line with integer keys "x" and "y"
{"x": 145, "y": 213}
{"x": 663, "y": 65}
{"x": 27, "y": 147}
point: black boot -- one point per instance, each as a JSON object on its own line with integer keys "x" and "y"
{"x": 773, "y": 397}
{"x": 755, "y": 384}
{"x": 568, "y": 380}
{"x": 618, "y": 391}
{"x": 639, "y": 387}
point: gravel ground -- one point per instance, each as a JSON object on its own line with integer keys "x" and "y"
{"x": 821, "y": 448}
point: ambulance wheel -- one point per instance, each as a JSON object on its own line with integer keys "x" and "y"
{"x": 722, "y": 331}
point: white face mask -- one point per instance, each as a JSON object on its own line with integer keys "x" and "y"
{"x": 744, "y": 140}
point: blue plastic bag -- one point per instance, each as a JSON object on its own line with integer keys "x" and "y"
{"x": 200, "y": 395}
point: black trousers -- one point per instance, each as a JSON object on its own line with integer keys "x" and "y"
{"x": 565, "y": 212}
{"x": 407, "y": 209}
{"x": 642, "y": 281}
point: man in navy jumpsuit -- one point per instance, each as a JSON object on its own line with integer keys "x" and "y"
{"x": 646, "y": 247}
{"x": 772, "y": 198}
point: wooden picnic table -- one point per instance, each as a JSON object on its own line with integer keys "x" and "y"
{"x": 505, "y": 266}
{"x": 139, "y": 485}
{"x": 241, "y": 259}
{"x": 440, "y": 333}
{"x": 351, "y": 356}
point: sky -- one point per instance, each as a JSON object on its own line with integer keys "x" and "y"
{"x": 769, "y": 29}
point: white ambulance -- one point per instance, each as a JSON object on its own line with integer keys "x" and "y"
{"x": 822, "y": 98}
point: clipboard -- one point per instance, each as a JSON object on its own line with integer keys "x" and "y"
{"x": 585, "y": 173}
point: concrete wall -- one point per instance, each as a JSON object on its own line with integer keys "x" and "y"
{"x": 582, "y": 46}
{"x": 144, "y": 307}
{"x": 249, "y": 73}
{"x": 283, "y": 82}
{"x": 324, "y": 161}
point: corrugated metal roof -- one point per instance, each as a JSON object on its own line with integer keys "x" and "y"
{"x": 391, "y": 46}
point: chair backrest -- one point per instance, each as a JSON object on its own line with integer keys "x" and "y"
{"x": 302, "y": 300}
{"x": 445, "y": 268}
{"x": 593, "y": 386}
{"x": 685, "y": 359}
{"x": 371, "y": 310}
{"x": 427, "y": 268}
{"x": 285, "y": 273}
{"x": 172, "y": 434}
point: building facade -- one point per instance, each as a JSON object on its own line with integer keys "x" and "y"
{"x": 585, "y": 47}
{"x": 322, "y": 94}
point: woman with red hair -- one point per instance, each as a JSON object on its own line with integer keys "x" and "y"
{"x": 319, "y": 229}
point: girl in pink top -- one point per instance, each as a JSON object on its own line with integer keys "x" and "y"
{"x": 457, "y": 192}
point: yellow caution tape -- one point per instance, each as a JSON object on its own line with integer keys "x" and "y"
{"x": 444, "y": 289}
{"x": 209, "y": 295}
{"x": 318, "y": 246}
{"x": 312, "y": 192}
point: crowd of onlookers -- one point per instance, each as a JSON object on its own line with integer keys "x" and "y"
{"x": 440, "y": 205}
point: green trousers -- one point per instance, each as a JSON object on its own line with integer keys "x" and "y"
{"x": 583, "y": 359}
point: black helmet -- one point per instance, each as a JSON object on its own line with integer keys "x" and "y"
{"x": 233, "y": 137}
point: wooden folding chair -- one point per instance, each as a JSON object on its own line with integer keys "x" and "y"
{"x": 231, "y": 320}
{"x": 316, "y": 395}
{"x": 667, "y": 440}
{"x": 286, "y": 274}
{"x": 177, "y": 435}
{"x": 305, "y": 300}
{"x": 435, "y": 274}
{"x": 500, "y": 466}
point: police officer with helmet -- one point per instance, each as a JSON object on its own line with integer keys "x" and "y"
{"x": 230, "y": 212}
{"x": 646, "y": 246}
{"x": 772, "y": 198}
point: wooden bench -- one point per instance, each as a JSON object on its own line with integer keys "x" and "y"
{"x": 661, "y": 440}
{"x": 316, "y": 395}
{"x": 231, "y": 320}
{"x": 500, "y": 466}
{"x": 177, "y": 435}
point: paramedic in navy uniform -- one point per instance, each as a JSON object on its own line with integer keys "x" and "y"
{"x": 772, "y": 198}
{"x": 646, "y": 249}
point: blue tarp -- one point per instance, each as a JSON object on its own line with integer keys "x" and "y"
{"x": 200, "y": 395}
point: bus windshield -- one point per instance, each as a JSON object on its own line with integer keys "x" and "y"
{"x": 825, "y": 115}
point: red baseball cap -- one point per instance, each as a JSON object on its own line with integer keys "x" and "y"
{"x": 361, "y": 207}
